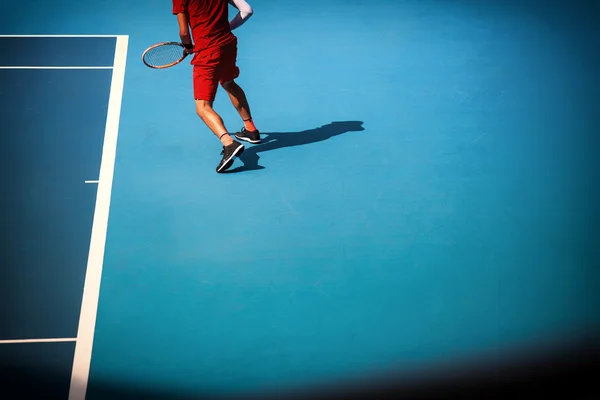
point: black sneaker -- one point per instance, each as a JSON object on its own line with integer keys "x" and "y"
{"x": 248, "y": 136}
{"x": 229, "y": 153}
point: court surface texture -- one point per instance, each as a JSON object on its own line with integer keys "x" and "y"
{"x": 424, "y": 199}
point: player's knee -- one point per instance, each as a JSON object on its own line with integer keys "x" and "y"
{"x": 229, "y": 85}
{"x": 203, "y": 107}
{"x": 226, "y": 85}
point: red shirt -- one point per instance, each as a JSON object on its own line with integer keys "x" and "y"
{"x": 209, "y": 21}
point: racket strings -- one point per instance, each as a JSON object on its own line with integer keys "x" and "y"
{"x": 164, "y": 55}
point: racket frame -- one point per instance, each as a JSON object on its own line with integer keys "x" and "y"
{"x": 183, "y": 57}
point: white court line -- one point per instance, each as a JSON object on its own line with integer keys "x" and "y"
{"x": 92, "y": 182}
{"x": 50, "y": 67}
{"x": 91, "y": 289}
{"x": 49, "y": 340}
{"x": 62, "y": 36}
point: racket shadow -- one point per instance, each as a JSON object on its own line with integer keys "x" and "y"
{"x": 279, "y": 140}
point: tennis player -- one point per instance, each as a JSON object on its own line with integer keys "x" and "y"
{"x": 215, "y": 52}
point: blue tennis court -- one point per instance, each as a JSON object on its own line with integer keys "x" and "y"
{"x": 425, "y": 197}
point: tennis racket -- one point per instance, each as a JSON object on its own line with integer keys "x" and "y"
{"x": 164, "y": 55}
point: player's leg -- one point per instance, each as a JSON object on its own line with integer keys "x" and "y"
{"x": 213, "y": 120}
{"x": 229, "y": 72}
{"x": 238, "y": 98}
{"x": 205, "y": 88}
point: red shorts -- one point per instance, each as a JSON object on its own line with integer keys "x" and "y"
{"x": 212, "y": 67}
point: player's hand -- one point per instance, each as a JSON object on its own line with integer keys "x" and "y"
{"x": 187, "y": 51}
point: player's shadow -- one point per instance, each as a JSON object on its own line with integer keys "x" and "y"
{"x": 279, "y": 140}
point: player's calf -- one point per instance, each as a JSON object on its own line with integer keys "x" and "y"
{"x": 249, "y": 133}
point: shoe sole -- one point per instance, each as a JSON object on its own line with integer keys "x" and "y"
{"x": 237, "y": 152}
{"x": 245, "y": 139}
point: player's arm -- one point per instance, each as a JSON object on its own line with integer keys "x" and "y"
{"x": 180, "y": 10}
{"x": 184, "y": 31}
{"x": 245, "y": 11}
